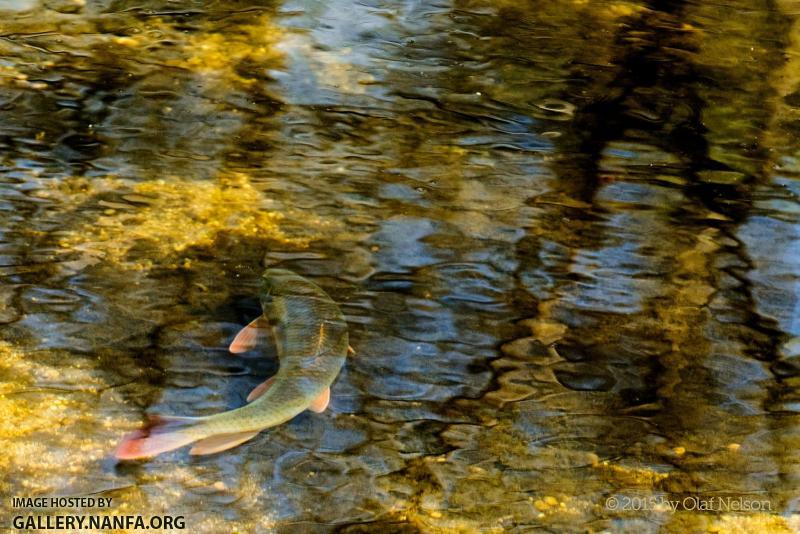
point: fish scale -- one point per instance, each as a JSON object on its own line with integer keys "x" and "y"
{"x": 311, "y": 336}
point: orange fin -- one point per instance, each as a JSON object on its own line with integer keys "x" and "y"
{"x": 221, "y": 442}
{"x": 351, "y": 350}
{"x": 161, "y": 434}
{"x": 320, "y": 403}
{"x": 247, "y": 337}
{"x": 260, "y": 389}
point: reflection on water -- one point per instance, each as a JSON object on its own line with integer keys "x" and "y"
{"x": 565, "y": 238}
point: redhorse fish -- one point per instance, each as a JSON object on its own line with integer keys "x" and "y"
{"x": 312, "y": 342}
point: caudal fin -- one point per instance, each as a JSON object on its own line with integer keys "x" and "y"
{"x": 161, "y": 434}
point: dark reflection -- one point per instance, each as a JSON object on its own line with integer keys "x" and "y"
{"x": 564, "y": 238}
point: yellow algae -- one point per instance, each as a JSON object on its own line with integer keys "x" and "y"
{"x": 622, "y": 9}
{"x": 170, "y": 491}
{"x": 221, "y": 57}
{"x": 540, "y": 505}
{"x": 10, "y": 75}
{"x": 212, "y": 53}
{"x": 758, "y": 523}
{"x": 599, "y": 9}
{"x": 165, "y": 491}
{"x": 631, "y": 476}
{"x": 126, "y": 41}
{"x": 179, "y": 214}
{"x": 466, "y": 495}
{"x": 546, "y": 332}
{"x": 437, "y": 522}
{"x": 219, "y": 54}
{"x": 559, "y": 508}
{"x": 544, "y": 328}
{"x": 750, "y": 524}
{"x": 42, "y": 428}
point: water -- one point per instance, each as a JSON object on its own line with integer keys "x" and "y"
{"x": 564, "y": 235}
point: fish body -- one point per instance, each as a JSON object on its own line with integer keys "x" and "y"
{"x": 311, "y": 336}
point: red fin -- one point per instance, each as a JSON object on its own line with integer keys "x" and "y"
{"x": 161, "y": 434}
{"x": 221, "y": 442}
{"x": 247, "y": 337}
{"x": 260, "y": 389}
{"x": 320, "y": 403}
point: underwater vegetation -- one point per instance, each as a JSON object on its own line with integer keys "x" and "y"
{"x": 163, "y": 219}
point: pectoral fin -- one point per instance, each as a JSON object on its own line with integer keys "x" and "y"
{"x": 320, "y": 403}
{"x": 260, "y": 389}
{"x": 247, "y": 337}
{"x": 221, "y": 442}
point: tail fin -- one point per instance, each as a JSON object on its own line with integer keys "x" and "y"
{"x": 160, "y": 434}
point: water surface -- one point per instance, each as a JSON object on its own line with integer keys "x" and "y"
{"x": 564, "y": 235}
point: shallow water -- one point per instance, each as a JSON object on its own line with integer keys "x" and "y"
{"x": 564, "y": 235}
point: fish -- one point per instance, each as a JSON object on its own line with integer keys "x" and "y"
{"x": 311, "y": 337}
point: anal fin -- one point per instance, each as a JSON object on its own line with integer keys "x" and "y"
{"x": 221, "y": 442}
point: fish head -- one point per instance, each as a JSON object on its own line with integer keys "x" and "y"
{"x": 272, "y": 281}
{"x": 282, "y": 283}
{"x": 276, "y": 281}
